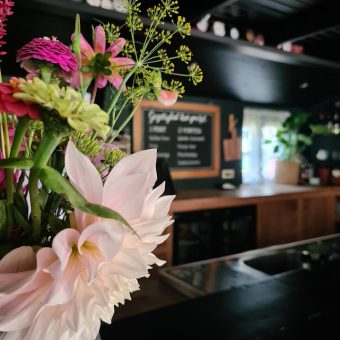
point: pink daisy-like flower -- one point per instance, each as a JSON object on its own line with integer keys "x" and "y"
{"x": 10, "y": 104}
{"x": 5, "y": 11}
{"x": 65, "y": 291}
{"x": 51, "y": 51}
{"x": 117, "y": 63}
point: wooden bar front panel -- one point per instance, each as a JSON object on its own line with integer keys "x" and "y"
{"x": 318, "y": 217}
{"x": 277, "y": 222}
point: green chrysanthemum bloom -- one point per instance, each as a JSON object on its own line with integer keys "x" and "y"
{"x": 68, "y": 103}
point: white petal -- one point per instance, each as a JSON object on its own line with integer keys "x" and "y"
{"x": 139, "y": 162}
{"x": 127, "y": 195}
{"x": 18, "y": 260}
{"x": 63, "y": 243}
{"x": 83, "y": 174}
{"x": 107, "y": 235}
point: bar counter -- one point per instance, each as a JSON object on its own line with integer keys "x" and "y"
{"x": 284, "y": 213}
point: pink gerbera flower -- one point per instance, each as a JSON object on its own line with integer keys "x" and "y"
{"x": 51, "y": 51}
{"x": 116, "y": 64}
{"x": 10, "y": 104}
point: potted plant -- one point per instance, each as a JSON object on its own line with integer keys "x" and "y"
{"x": 291, "y": 142}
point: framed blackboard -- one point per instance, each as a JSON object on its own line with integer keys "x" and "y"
{"x": 186, "y": 135}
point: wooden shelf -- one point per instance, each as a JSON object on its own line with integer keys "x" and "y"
{"x": 233, "y": 69}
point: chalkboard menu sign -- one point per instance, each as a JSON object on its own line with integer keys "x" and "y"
{"x": 186, "y": 135}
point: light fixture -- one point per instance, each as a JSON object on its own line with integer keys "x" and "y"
{"x": 234, "y": 33}
{"x": 304, "y": 85}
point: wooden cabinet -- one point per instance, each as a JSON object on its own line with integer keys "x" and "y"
{"x": 282, "y": 221}
{"x": 317, "y": 216}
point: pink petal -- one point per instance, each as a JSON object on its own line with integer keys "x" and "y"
{"x": 29, "y": 66}
{"x": 116, "y": 47}
{"x": 107, "y": 235}
{"x": 129, "y": 263}
{"x": 101, "y": 82}
{"x": 163, "y": 205}
{"x": 85, "y": 47}
{"x": 63, "y": 243}
{"x": 167, "y": 98}
{"x": 127, "y": 195}
{"x": 123, "y": 63}
{"x": 151, "y": 201}
{"x": 18, "y": 260}
{"x": 99, "y": 40}
{"x": 137, "y": 163}
{"x": 116, "y": 79}
{"x": 65, "y": 282}
{"x": 83, "y": 174}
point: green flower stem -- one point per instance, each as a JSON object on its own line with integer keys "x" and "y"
{"x": 17, "y": 140}
{"x": 2, "y": 135}
{"x": 7, "y": 143}
{"x": 94, "y": 91}
{"x": 126, "y": 121}
{"x": 48, "y": 144}
{"x": 120, "y": 88}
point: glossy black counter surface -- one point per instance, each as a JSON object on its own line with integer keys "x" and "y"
{"x": 295, "y": 305}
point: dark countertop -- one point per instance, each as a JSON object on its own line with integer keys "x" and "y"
{"x": 300, "y": 305}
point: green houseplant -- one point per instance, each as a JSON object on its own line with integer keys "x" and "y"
{"x": 292, "y": 140}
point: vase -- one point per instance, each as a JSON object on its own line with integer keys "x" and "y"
{"x": 287, "y": 172}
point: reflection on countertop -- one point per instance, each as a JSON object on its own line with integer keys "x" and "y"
{"x": 204, "y": 277}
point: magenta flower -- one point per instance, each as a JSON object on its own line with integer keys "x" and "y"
{"x": 5, "y": 11}
{"x": 117, "y": 64}
{"x": 50, "y": 51}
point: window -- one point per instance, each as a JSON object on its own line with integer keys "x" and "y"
{"x": 258, "y": 159}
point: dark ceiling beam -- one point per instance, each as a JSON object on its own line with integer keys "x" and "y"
{"x": 305, "y": 24}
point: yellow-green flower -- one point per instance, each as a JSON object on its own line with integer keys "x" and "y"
{"x": 68, "y": 103}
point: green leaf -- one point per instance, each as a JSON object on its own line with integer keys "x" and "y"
{"x": 20, "y": 203}
{"x": 319, "y": 129}
{"x": 56, "y": 182}
{"x": 3, "y": 219}
{"x": 22, "y": 222}
{"x": 304, "y": 139}
{"x": 16, "y": 163}
{"x": 276, "y": 149}
{"x": 55, "y": 223}
{"x": 268, "y": 141}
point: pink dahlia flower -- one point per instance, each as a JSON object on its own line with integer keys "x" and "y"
{"x": 51, "y": 51}
{"x": 65, "y": 291}
{"x": 10, "y": 104}
{"x": 117, "y": 63}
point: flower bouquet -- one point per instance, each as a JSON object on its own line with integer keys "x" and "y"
{"x": 79, "y": 218}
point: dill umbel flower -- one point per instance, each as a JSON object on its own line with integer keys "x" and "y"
{"x": 50, "y": 51}
{"x": 5, "y": 11}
